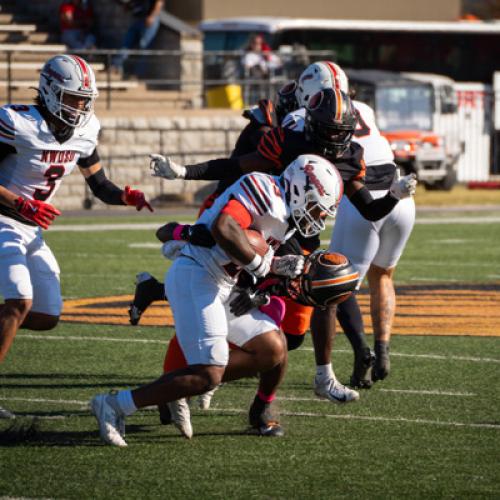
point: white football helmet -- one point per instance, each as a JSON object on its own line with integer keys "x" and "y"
{"x": 313, "y": 185}
{"x": 68, "y": 74}
{"x": 318, "y": 76}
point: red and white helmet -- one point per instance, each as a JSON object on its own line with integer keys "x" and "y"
{"x": 312, "y": 182}
{"x": 68, "y": 74}
{"x": 318, "y": 76}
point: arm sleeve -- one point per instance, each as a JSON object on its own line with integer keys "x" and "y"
{"x": 104, "y": 189}
{"x": 371, "y": 209}
{"x": 214, "y": 170}
{"x": 238, "y": 212}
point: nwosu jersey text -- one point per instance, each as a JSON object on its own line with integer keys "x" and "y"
{"x": 264, "y": 198}
{"x": 39, "y": 162}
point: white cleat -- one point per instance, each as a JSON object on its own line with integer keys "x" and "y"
{"x": 334, "y": 391}
{"x": 181, "y": 416}
{"x": 205, "y": 399}
{"x": 6, "y": 413}
{"x": 108, "y": 420}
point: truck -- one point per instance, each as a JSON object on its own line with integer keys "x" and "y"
{"x": 418, "y": 114}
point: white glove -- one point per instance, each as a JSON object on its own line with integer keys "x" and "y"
{"x": 403, "y": 187}
{"x": 260, "y": 266}
{"x": 288, "y": 265}
{"x": 163, "y": 166}
{"x": 172, "y": 249}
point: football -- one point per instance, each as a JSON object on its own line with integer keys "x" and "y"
{"x": 257, "y": 241}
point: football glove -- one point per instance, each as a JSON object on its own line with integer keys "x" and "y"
{"x": 37, "y": 211}
{"x": 260, "y": 266}
{"x": 288, "y": 265}
{"x": 403, "y": 187}
{"x": 164, "y": 167}
{"x": 246, "y": 300}
{"x": 135, "y": 198}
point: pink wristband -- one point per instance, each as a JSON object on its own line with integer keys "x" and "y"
{"x": 177, "y": 232}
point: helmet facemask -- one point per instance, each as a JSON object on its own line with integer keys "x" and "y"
{"x": 330, "y": 122}
{"x": 314, "y": 188}
{"x": 70, "y": 115}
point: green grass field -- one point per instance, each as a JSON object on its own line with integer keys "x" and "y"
{"x": 431, "y": 430}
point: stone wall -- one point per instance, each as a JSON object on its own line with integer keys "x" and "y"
{"x": 125, "y": 144}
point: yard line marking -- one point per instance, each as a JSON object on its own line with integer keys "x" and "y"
{"x": 101, "y": 339}
{"x": 288, "y": 414}
{"x": 401, "y": 391}
{"x": 425, "y": 356}
{"x": 141, "y": 226}
{"x": 342, "y": 351}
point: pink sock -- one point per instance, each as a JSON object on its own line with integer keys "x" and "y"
{"x": 266, "y": 398}
{"x": 275, "y": 309}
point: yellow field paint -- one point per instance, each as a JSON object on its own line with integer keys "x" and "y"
{"x": 420, "y": 311}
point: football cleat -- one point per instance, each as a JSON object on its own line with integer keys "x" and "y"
{"x": 382, "y": 365}
{"x": 6, "y": 414}
{"x": 361, "y": 377}
{"x": 108, "y": 417}
{"x": 181, "y": 416}
{"x": 205, "y": 399}
{"x": 334, "y": 391}
{"x": 261, "y": 419}
{"x": 147, "y": 290}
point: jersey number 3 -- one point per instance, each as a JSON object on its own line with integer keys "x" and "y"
{"x": 53, "y": 173}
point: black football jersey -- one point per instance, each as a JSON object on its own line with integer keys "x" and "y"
{"x": 282, "y": 146}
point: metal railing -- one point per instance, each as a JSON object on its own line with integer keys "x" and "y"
{"x": 165, "y": 70}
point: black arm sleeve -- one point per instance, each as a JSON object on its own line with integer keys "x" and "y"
{"x": 104, "y": 189}
{"x": 6, "y": 150}
{"x": 371, "y": 209}
{"x": 214, "y": 170}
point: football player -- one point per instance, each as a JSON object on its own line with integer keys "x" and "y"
{"x": 40, "y": 144}
{"x": 373, "y": 247}
{"x": 200, "y": 282}
{"x": 261, "y": 119}
{"x": 329, "y": 124}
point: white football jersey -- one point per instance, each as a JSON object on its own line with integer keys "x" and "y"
{"x": 264, "y": 197}
{"x": 40, "y": 162}
{"x": 377, "y": 150}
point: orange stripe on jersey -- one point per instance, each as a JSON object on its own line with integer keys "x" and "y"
{"x": 335, "y": 281}
{"x": 360, "y": 176}
{"x": 238, "y": 212}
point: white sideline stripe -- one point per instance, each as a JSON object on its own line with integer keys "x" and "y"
{"x": 398, "y": 391}
{"x": 163, "y": 342}
{"x": 154, "y": 225}
{"x": 285, "y": 413}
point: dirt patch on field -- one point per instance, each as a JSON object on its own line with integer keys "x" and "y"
{"x": 422, "y": 310}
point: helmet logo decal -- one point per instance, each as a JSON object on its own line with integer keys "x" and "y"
{"x": 54, "y": 74}
{"x": 311, "y": 176}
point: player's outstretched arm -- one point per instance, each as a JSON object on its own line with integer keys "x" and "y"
{"x": 110, "y": 193}
{"x": 212, "y": 170}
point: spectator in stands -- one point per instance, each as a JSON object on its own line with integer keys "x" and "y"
{"x": 76, "y": 19}
{"x": 258, "y": 63}
{"x": 142, "y": 30}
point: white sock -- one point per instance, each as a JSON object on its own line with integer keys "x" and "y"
{"x": 324, "y": 372}
{"x": 125, "y": 402}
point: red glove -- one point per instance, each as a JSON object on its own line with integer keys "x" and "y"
{"x": 37, "y": 211}
{"x": 135, "y": 198}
